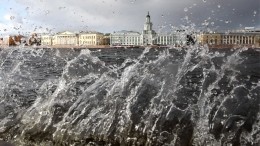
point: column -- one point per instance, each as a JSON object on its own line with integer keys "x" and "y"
{"x": 163, "y": 39}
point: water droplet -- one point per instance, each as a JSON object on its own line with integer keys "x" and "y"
{"x": 219, "y": 6}
{"x": 226, "y": 21}
{"x": 204, "y": 1}
{"x": 162, "y": 15}
{"x": 133, "y": 1}
{"x": 227, "y": 32}
{"x": 254, "y": 13}
{"x": 185, "y": 9}
{"x": 12, "y": 17}
{"x": 212, "y": 23}
{"x": 205, "y": 23}
{"x": 61, "y": 8}
{"x": 47, "y": 12}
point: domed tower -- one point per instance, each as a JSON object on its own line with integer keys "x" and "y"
{"x": 148, "y": 33}
{"x": 148, "y": 24}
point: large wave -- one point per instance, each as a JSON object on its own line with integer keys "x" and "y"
{"x": 174, "y": 96}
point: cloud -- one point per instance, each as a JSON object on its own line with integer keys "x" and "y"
{"x": 113, "y": 15}
{"x": 11, "y": 23}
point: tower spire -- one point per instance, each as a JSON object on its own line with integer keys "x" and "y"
{"x": 148, "y": 24}
{"x": 148, "y": 15}
{"x": 148, "y": 33}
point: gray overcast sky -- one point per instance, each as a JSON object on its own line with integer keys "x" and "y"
{"x": 114, "y": 15}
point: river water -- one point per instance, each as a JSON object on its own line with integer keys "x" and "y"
{"x": 134, "y": 96}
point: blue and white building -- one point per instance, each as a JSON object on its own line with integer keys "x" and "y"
{"x": 125, "y": 38}
{"x": 147, "y": 37}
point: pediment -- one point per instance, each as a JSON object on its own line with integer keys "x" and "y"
{"x": 66, "y": 33}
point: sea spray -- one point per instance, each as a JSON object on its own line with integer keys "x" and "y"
{"x": 152, "y": 96}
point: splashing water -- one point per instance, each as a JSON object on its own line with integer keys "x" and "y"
{"x": 175, "y": 96}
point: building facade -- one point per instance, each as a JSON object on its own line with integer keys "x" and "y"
{"x": 133, "y": 38}
{"x": 90, "y": 39}
{"x": 165, "y": 39}
{"x": 46, "y": 40}
{"x": 212, "y": 39}
{"x": 74, "y": 39}
{"x": 65, "y": 38}
{"x": 125, "y": 38}
{"x": 250, "y": 39}
{"x": 147, "y": 37}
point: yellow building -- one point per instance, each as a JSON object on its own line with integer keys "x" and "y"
{"x": 90, "y": 39}
{"x": 250, "y": 39}
{"x": 210, "y": 38}
{"x": 257, "y": 41}
{"x": 65, "y": 38}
